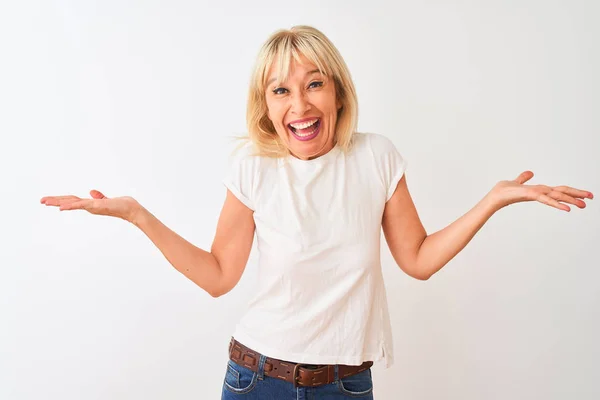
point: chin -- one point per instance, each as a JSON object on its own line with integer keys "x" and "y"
{"x": 308, "y": 149}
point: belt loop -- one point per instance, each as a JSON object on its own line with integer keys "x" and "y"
{"x": 336, "y": 372}
{"x": 261, "y": 367}
{"x": 230, "y": 347}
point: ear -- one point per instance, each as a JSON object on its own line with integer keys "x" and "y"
{"x": 338, "y": 101}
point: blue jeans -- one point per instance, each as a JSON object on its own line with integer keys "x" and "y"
{"x": 242, "y": 383}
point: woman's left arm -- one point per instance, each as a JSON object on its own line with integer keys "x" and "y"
{"x": 421, "y": 255}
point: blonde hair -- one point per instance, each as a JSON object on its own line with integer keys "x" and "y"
{"x": 281, "y": 46}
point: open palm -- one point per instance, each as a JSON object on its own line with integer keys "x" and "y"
{"x": 120, "y": 207}
{"x": 509, "y": 192}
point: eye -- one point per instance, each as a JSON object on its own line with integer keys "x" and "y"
{"x": 317, "y": 83}
{"x": 279, "y": 90}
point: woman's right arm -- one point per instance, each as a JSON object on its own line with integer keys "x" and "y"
{"x": 219, "y": 270}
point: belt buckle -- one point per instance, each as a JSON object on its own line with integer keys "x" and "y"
{"x": 294, "y": 374}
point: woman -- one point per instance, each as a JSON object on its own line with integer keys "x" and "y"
{"x": 317, "y": 193}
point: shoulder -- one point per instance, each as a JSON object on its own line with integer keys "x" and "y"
{"x": 245, "y": 160}
{"x": 378, "y": 144}
{"x": 245, "y": 154}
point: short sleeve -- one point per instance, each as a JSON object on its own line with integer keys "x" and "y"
{"x": 390, "y": 162}
{"x": 240, "y": 176}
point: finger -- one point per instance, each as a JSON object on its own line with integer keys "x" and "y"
{"x": 77, "y": 205}
{"x": 553, "y": 203}
{"x": 575, "y": 192}
{"x": 57, "y": 200}
{"x": 97, "y": 194}
{"x": 46, "y": 198}
{"x": 58, "y": 203}
{"x": 524, "y": 177}
{"x": 560, "y": 196}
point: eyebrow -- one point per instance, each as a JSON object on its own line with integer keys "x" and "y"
{"x": 308, "y": 73}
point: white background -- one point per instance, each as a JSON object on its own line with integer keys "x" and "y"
{"x": 140, "y": 97}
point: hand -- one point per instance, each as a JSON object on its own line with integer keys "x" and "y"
{"x": 509, "y": 192}
{"x": 126, "y": 207}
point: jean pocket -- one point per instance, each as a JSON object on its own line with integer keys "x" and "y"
{"x": 239, "y": 379}
{"x": 359, "y": 385}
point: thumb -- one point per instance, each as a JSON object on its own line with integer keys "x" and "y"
{"x": 97, "y": 195}
{"x": 524, "y": 177}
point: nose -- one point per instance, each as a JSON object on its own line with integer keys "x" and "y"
{"x": 300, "y": 103}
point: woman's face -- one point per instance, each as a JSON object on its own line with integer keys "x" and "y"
{"x": 303, "y": 109}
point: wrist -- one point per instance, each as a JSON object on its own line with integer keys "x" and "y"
{"x": 491, "y": 202}
{"x": 138, "y": 215}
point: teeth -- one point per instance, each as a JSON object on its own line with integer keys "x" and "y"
{"x": 304, "y": 134}
{"x": 304, "y": 125}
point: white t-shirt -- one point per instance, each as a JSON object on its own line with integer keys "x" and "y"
{"x": 320, "y": 296}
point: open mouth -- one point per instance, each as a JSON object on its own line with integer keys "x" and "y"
{"x": 307, "y": 130}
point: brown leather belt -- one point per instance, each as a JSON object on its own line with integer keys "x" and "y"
{"x": 298, "y": 374}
